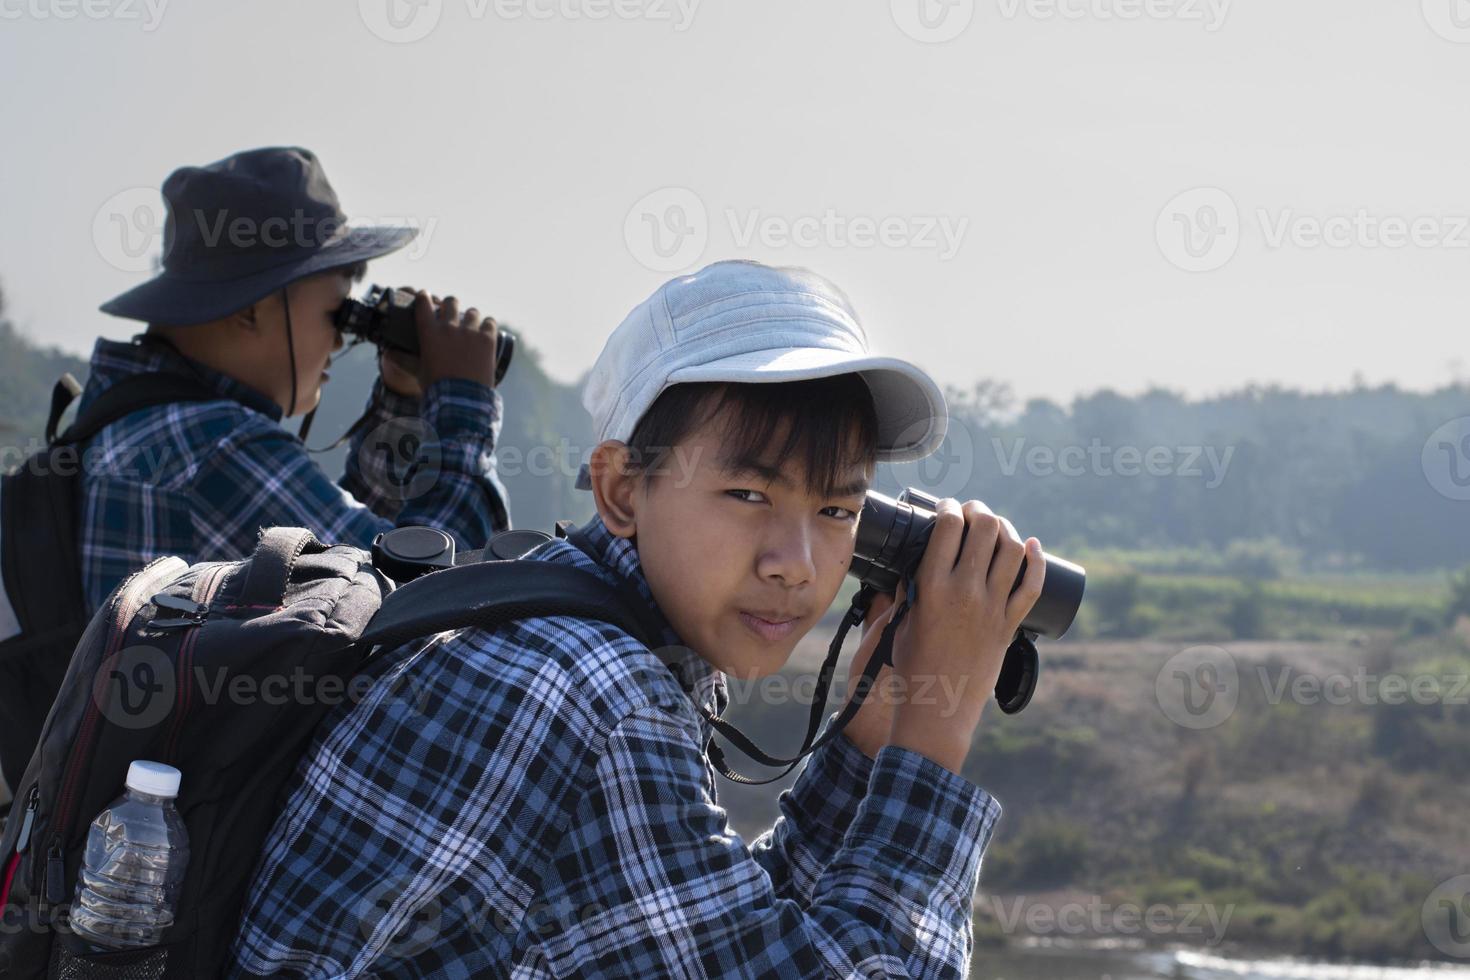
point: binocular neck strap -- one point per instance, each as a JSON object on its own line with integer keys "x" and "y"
{"x": 882, "y": 656}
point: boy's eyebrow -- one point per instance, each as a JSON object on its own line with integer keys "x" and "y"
{"x": 854, "y": 487}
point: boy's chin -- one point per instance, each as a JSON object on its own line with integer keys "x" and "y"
{"x": 753, "y": 659}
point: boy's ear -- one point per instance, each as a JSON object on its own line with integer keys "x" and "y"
{"x": 613, "y": 487}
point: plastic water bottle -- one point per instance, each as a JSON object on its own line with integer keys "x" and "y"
{"x": 137, "y": 850}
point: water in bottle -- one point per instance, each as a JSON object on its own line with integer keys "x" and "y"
{"x": 137, "y": 850}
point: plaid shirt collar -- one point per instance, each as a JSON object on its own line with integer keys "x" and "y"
{"x": 113, "y": 360}
{"x": 703, "y": 683}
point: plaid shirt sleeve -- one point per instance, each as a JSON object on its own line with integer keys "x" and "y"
{"x": 408, "y": 446}
{"x": 666, "y": 888}
{"x": 263, "y": 477}
{"x": 815, "y": 814}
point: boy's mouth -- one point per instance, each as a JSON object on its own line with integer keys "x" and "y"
{"x": 766, "y": 629}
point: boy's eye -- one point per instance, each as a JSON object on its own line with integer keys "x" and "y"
{"x": 844, "y": 513}
{"x": 737, "y": 494}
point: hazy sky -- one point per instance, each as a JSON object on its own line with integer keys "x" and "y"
{"x": 1015, "y": 189}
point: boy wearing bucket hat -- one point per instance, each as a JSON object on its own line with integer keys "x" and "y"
{"x": 258, "y": 255}
{"x": 538, "y": 799}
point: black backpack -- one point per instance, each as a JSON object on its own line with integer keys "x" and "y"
{"x": 162, "y": 672}
{"x": 40, "y": 573}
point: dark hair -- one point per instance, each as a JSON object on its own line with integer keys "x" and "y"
{"x": 833, "y": 426}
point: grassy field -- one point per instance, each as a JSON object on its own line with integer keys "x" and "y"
{"x": 1315, "y": 818}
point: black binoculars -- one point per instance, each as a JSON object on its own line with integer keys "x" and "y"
{"x": 891, "y": 537}
{"x": 385, "y": 317}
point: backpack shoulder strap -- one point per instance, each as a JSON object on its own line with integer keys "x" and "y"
{"x": 123, "y": 397}
{"x": 490, "y": 593}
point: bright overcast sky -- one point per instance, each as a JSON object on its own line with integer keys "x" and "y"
{"x": 1065, "y": 194}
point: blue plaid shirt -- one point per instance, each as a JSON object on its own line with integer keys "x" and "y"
{"x": 199, "y": 479}
{"x": 535, "y": 801}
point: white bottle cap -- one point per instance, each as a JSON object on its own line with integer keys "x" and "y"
{"x": 154, "y": 778}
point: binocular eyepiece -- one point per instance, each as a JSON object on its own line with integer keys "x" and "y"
{"x": 385, "y": 317}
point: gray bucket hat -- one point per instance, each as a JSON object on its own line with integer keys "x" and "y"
{"x": 241, "y": 228}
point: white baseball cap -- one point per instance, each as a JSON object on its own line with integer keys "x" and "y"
{"x": 744, "y": 322}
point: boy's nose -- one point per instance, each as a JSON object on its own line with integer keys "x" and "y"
{"x": 338, "y": 339}
{"x": 787, "y": 555}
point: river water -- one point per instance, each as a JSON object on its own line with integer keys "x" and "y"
{"x": 1052, "y": 963}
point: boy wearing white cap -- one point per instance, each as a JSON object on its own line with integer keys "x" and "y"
{"x": 538, "y": 800}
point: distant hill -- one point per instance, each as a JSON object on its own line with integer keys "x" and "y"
{"x": 1333, "y": 482}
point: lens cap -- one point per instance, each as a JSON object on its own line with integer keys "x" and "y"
{"x": 1018, "y": 674}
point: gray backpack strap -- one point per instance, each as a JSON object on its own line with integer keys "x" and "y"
{"x": 490, "y": 593}
{"x": 270, "y": 566}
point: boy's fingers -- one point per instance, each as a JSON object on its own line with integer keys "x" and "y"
{"x": 982, "y": 531}
{"x": 449, "y": 310}
{"x": 1029, "y": 590}
{"x": 944, "y": 544}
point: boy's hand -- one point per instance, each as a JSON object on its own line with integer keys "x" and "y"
{"x": 954, "y": 638}
{"x": 450, "y": 346}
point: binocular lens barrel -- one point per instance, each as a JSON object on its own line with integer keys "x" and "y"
{"x": 891, "y": 538}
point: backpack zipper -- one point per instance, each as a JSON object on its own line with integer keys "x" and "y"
{"x": 52, "y": 872}
{"x": 191, "y": 613}
{"x": 22, "y": 841}
{"x": 209, "y": 584}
